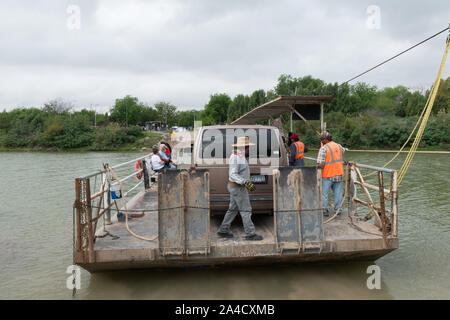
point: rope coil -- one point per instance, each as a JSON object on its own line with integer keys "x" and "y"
{"x": 126, "y": 210}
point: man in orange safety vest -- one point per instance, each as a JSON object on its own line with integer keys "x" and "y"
{"x": 297, "y": 150}
{"x": 331, "y": 160}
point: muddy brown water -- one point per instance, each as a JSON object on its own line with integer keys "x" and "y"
{"x": 37, "y": 193}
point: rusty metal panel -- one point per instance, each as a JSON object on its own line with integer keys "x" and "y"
{"x": 298, "y": 220}
{"x": 196, "y": 188}
{"x": 311, "y": 219}
{"x": 286, "y": 207}
{"x": 170, "y": 224}
{"x": 183, "y": 212}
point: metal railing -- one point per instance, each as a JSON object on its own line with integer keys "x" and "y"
{"x": 90, "y": 207}
{"x": 382, "y": 204}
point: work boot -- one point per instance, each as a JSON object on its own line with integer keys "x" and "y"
{"x": 225, "y": 234}
{"x": 254, "y": 237}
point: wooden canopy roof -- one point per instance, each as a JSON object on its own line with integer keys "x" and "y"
{"x": 276, "y": 107}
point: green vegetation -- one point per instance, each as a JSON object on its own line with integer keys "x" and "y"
{"x": 56, "y": 127}
{"x": 360, "y": 116}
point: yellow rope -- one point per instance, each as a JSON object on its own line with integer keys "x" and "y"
{"x": 423, "y": 119}
{"x": 406, "y": 142}
{"x": 423, "y": 124}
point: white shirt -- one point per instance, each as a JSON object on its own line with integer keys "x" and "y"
{"x": 155, "y": 162}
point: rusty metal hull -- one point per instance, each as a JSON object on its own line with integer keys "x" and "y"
{"x": 148, "y": 258}
{"x": 341, "y": 243}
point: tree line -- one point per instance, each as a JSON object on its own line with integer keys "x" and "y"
{"x": 360, "y": 116}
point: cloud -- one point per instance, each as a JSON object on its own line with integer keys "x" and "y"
{"x": 183, "y": 51}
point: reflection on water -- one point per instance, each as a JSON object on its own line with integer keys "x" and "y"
{"x": 36, "y": 236}
{"x": 337, "y": 281}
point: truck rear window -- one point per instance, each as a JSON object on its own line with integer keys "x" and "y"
{"x": 217, "y": 143}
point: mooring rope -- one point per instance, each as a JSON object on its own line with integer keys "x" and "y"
{"x": 423, "y": 119}
{"x": 125, "y": 209}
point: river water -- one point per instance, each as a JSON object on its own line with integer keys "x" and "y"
{"x": 37, "y": 194}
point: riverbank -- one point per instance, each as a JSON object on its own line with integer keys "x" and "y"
{"x": 142, "y": 143}
{"x": 146, "y": 141}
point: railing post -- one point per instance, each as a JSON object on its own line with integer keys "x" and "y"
{"x": 78, "y": 241}
{"x": 90, "y": 233}
{"x": 145, "y": 171}
{"x": 108, "y": 203}
{"x": 348, "y": 181}
{"x": 353, "y": 205}
{"x": 394, "y": 205}
{"x": 383, "y": 210}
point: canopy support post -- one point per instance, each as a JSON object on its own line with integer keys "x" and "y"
{"x": 291, "y": 122}
{"x": 322, "y": 126}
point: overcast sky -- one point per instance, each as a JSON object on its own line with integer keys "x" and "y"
{"x": 183, "y": 51}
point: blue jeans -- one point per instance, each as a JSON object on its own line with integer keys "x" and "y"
{"x": 337, "y": 188}
{"x": 299, "y": 163}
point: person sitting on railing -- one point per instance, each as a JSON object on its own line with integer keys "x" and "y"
{"x": 168, "y": 152}
{"x": 167, "y": 162}
{"x": 155, "y": 161}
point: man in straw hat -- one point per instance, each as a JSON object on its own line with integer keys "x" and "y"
{"x": 238, "y": 185}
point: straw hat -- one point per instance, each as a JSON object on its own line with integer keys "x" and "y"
{"x": 243, "y": 142}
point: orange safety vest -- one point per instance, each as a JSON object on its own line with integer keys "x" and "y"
{"x": 299, "y": 149}
{"x": 334, "y": 162}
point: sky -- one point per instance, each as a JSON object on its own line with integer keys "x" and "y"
{"x": 90, "y": 52}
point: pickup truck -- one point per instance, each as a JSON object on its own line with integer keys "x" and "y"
{"x": 211, "y": 149}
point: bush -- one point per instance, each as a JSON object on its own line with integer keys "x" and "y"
{"x": 20, "y": 136}
{"x": 67, "y": 134}
{"x": 134, "y": 131}
{"x": 112, "y": 136}
{"x": 12, "y": 140}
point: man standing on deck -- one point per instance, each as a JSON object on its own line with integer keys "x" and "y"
{"x": 238, "y": 185}
{"x": 297, "y": 150}
{"x": 331, "y": 161}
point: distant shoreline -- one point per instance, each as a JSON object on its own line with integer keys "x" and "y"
{"x": 148, "y": 148}
{"x": 142, "y": 144}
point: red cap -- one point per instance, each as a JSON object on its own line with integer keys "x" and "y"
{"x": 294, "y": 136}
